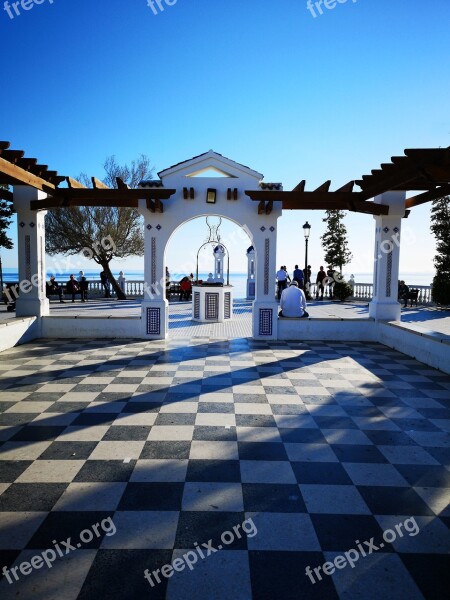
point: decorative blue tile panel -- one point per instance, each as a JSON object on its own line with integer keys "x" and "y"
{"x": 227, "y": 305}
{"x": 196, "y": 305}
{"x": 251, "y": 289}
{"x": 28, "y": 257}
{"x": 389, "y": 275}
{"x": 212, "y": 306}
{"x": 266, "y": 266}
{"x": 265, "y": 321}
{"x": 153, "y": 321}
{"x": 153, "y": 272}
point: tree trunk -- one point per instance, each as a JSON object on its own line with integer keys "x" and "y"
{"x": 116, "y": 287}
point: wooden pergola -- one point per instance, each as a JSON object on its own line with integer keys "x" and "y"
{"x": 424, "y": 170}
{"x": 16, "y": 169}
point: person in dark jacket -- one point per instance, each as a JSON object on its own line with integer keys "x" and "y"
{"x": 72, "y": 287}
{"x": 319, "y": 281}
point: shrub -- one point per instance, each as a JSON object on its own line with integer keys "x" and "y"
{"x": 440, "y": 290}
{"x": 342, "y": 290}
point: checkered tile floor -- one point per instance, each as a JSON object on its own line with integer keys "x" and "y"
{"x": 322, "y": 445}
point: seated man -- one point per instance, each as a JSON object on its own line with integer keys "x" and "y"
{"x": 403, "y": 292}
{"x": 52, "y": 287}
{"x": 72, "y": 287}
{"x": 293, "y": 302}
{"x": 185, "y": 288}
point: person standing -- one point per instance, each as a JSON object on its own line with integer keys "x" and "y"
{"x": 293, "y": 302}
{"x": 330, "y": 282}
{"x": 307, "y": 281}
{"x": 83, "y": 285}
{"x": 281, "y": 282}
{"x": 297, "y": 276}
{"x": 105, "y": 283}
{"x": 319, "y": 282}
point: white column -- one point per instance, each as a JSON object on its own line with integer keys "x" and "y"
{"x": 32, "y": 301}
{"x": 384, "y": 305}
{"x": 251, "y": 269}
{"x": 265, "y": 307}
{"x": 155, "y": 307}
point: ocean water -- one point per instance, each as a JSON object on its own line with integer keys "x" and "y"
{"x": 237, "y": 280}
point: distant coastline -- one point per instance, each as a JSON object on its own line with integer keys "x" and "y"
{"x": 11, "y": 274}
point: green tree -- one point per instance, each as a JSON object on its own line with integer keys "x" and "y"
{"x": 101, "y": 233}
{"x": 6, "y": 212}
{"x": 440, "y": 226}
{"x": 334, "y": 240}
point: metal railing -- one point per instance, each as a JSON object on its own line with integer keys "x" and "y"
{"x": 134, "y": 288}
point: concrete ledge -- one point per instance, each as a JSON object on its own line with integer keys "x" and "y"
{"x": 92, "y": 327}
{"x": 18, "y": 331}
{"x": 311, "y": 329}
{"x": 432, "y": 348}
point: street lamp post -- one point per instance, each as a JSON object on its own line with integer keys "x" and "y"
{"x": 306, "y": 232}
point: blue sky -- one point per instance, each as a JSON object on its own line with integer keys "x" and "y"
{"x": 260, "y": 81}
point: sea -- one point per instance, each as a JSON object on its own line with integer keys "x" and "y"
{"x": 237, "y": 280}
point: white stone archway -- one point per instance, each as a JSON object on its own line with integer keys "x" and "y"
{"x": 223, "y": 182}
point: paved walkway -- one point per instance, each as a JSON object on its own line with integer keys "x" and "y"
{"x": 262, "y": 465}
{"x": 180, "y": 324}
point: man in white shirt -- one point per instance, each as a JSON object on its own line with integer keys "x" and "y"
{"x": 281, "y": 281}
{"x": 293, "y": 302}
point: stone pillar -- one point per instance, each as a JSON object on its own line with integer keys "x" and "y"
{"x": 32, "y": 301}
{"x": 265, "y": 307}
{"x": 384, "y": 305}
{"x": 155, "y": 307}
{"x": 122, "y": 282}
{"x": 251, "y": 270}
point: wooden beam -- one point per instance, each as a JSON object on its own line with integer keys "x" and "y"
{"x": 4, "y": 145}
{"x": 262, "y": 207}
{"x": 99, "y": 185}
{"x": 12, "y": 155}
{"x": 348, "y": 187}
{"x": 151, "y": 205}
{"x": 113, "y": 194}
{"x": 121, "y": 185}
{"x": 22, "y": 177}
{"x": 61, "y": 202}
{"x": 159, "y": 208}
{"x": 324, "y": 187}
{"x": 269, "y": 207}
{"x": 438, "y": 192}
{"x": 27, "y": 163}
{"x": 74, "y": 184}
{"x": 300, "y": 187}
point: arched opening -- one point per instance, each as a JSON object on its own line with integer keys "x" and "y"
{"x": 203, "y": 246}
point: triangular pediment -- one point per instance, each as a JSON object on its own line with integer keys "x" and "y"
{"x": 210, "y": 165}
{"x": 210, "y": 172}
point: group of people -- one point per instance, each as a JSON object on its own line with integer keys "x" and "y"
{"x": 73, "y": 287}
{"x": 76, "y": 286}
{"x": 303, "y": 279}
